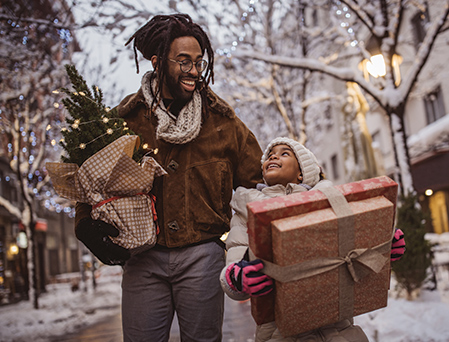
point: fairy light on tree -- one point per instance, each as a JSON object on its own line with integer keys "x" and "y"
{"x": 90, "y": 124}
{"x": 244, "y": 18}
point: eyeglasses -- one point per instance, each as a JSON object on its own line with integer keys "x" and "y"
{"x": 186, "y": 65}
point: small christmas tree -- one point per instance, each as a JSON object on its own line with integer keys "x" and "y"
{"x": 411, "y": 269}
{"x": 92, "y": 125}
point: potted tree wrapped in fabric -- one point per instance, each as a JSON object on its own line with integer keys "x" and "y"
{"x": 106, "y": 166}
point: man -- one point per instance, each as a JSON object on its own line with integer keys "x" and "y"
{"x": 207, "y": 152}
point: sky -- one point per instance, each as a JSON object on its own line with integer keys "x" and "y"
{"x": 62, "y": 311}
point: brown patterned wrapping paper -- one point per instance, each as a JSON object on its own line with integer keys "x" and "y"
{"x": 117, "y": 187}
{"x": 305, "y": 304}
{"x": 261, "y": 214}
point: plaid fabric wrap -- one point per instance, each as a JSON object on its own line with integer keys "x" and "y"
{"x": 116, "y": 186}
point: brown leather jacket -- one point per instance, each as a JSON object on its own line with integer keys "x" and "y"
{"x": 192, "y": 201}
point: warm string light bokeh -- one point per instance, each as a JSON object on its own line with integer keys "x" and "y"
{"x": 60, "y": 127}
{"x": 77, "y": 123}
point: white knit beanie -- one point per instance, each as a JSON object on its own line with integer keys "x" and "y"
{"x": 307, "y": 161}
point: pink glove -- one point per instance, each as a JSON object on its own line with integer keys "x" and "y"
{"x": 398, "y": 245}
{"x": 245, "y": 276}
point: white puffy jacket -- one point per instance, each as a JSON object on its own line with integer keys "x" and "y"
{"x": 237, "y": 240}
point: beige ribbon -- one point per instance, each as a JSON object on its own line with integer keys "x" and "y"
{"x": 371, "y": 258}
{"x": 359, "y": 262}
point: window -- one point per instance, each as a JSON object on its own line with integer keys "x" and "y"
{"x": 9, "y": 191}
{"x": 334, "y": 163}
{"x": 434, "y": 104}
{"x": 53, "y": 255}
{"x": 74, "y": 260}
{"x": 438, "y": 211}
{"x": 315, "y": 21}
{"x": 376, "y": 136}
{"x": 377, "y": 141}
{"x": 328, "y": 117}
{"x": 419, "y": 22}
{"x": 6, "y": 188}
{"x": 324, "y": 169}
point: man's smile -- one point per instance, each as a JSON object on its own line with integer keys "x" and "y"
{"x": 188, "y": 84}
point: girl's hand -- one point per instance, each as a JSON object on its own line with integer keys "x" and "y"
{"x": 246, "y": 276}
{"x": 398, "y": 245}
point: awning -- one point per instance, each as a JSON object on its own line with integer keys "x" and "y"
{"x": 41, "y": 225}
{"x": 431, "y": 173}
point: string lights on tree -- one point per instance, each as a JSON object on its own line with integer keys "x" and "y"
{"x": 244, "y": 18}
{"x": 90, "y": 125}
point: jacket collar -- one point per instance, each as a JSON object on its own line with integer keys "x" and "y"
{"x": 280, "y": 190}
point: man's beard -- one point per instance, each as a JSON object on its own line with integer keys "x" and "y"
{"x": 176, "y": 89}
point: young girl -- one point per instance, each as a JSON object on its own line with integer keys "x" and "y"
{"x": 287, "y": 168}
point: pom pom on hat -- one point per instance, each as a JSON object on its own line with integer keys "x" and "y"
{"x": 307, "y": 161}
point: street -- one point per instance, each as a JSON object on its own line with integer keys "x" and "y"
{"x": 238, "y": 326}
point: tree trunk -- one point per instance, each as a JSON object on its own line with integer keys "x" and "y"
{"x": 401, "y": 153}
{"x": 31, "y": 265}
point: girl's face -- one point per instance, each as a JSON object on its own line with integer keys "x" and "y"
{"x": 281, "y": 166}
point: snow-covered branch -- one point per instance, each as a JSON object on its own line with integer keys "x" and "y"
{"x": 12, "y": 208}
{"x": 45, "y": 22}
{"x": 341, "y": 73}
{"x": 15, "y": 93}
{"x": 424, "y": 52}
{"x": 317, "y": 99}
{"x": 365, "y": 18}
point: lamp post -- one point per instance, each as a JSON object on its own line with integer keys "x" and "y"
{"x": 376, "y": 68}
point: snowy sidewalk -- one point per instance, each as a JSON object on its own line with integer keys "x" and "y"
{"x": 62, "y": 311}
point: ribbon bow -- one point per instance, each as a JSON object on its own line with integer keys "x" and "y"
{"x": 358, "y": 261}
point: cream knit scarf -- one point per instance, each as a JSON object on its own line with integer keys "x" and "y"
{"x": 182, "y": 129}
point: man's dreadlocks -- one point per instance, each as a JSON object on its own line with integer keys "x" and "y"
{"x": 155, "y": 38}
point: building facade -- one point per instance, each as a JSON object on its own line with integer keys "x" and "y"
{"x": 426, "y": 123}
{"x": 426, "y": 120}
{"x": 57, "y": 249}
{"x": 34, "y": 47}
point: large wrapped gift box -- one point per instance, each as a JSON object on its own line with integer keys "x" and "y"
{"x": 301, "y": 228}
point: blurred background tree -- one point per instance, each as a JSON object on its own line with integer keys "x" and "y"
{"x": 411, "y": 270}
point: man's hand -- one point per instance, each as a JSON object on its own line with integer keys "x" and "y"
{"x": 245, "y": 276}
{"x": 397, "y": 245}
{"x": 95, "y": 236}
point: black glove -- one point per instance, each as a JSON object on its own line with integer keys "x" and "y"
{"x": 95, "y": 236}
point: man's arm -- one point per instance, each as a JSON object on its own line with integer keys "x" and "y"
{"x": 249, "y": 170}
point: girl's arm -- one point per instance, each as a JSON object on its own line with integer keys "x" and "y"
{"x": 237, "y": 240}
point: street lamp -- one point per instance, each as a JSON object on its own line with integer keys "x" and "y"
{"x": 375, "y": 66}
{"x": 14, "y": 249}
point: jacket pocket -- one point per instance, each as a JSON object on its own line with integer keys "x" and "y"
{"x": 209, "y": 190}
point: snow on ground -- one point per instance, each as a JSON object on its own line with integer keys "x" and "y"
{"x": 62, "y": 311}
{"x": 422, "y": 320}
{"x": 426, "y": 319}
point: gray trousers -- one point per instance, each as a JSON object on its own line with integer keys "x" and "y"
{"x": 156, "y": 283}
